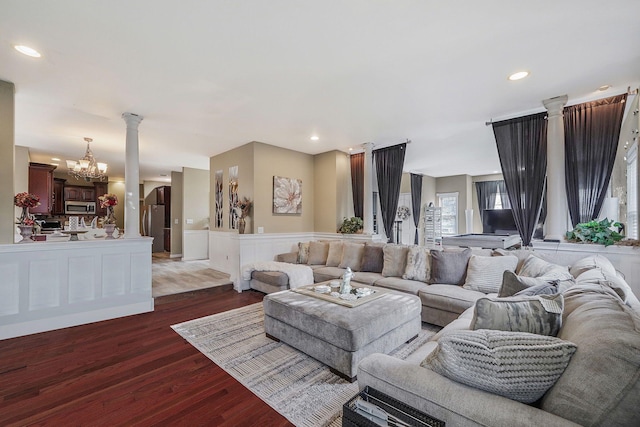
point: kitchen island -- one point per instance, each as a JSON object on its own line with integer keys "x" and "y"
{"x": 52, "y": 285}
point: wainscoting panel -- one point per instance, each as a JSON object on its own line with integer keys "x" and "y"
{"x": 230, "y": 250}
{"x": 195, "y": 245}
{"x": 53, "y": 285}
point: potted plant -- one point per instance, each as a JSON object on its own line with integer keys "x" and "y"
{"x": 603, "y": 232}
{"x": 351, "y": 225}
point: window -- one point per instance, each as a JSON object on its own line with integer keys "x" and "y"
{"x": 449, "y": 204}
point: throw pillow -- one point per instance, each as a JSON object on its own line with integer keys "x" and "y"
{"x": 513, "y": 284}
{"x": 373, "y": 257}
{"x": 521, "y": 254}
{"x": 536, "y": 267}
{"x": 418, "y": 265}
{"x": 352, "y": 256}
{"x": 516, "y": 365}
{"x": 303, "y": 253}
{"x": 540, "y": 314}
{"x": 449, "y": 268}
{"x": 591, "y": 262}
{"x": 334, "y": 256}
{"x": 484, "y": 274}
{"x": 318, "y": 252}
{"x": 395, "y": 260}
{"x": 612, "y": 280}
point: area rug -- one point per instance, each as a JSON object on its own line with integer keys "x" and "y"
{"x": 297, "y": 386}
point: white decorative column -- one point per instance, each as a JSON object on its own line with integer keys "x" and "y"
{"x": 367, "y": 200}
{"x": 557, "y": 207}
{"x": 132, "y": 178}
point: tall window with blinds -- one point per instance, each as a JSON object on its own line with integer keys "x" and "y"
{"x": 632, "y": 191}
{"x": 449, "y": 204}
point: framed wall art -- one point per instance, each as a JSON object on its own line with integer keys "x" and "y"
{"x": 287, "y": 195}
{"x": 233, "y": 197}
{"x": 218, "y": 198}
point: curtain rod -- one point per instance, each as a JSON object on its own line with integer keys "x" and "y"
{"x": 629, "y": 92}
{"x": 408, "y": 141}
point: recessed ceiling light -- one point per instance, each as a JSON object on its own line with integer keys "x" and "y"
{"x": 604, "y": 87}
{"x": 26, "y": 50}
{"x": 519, "y": 75}
{"x": 350, "y": 149}
{"x": 315, "y": 138}
{"x": 55, "y": 159}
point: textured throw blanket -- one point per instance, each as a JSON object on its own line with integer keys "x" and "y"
{"x": 299, "y": 275}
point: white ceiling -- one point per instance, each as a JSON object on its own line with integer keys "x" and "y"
{"x": 212, "y": 75}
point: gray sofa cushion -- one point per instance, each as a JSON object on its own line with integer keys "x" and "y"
{"x": 449, "y": 298}
{"x": 485, "y": 359}
{"x": 395, "y": 260}
{"x": 601, "y": 385}
{"x": 335, "y": 254}
{"x": 418, "y": 264}
{"x": 373, "y": 257}
{"x": 367, "y": 277}
{"x": 303, "y": 253}
{"x": 537, "y": 315}
{"x": 449, "y": 267}
{"x": 513, "y": 284}
{"x": 274, "y": 278}
{"x": 537, "y": 267}
{"x": 322, "y": 274}
{"x": 402, "y": 285}
{"x": 318, "y": 252}
{"x": 352, "y": 256}
{"x": 484, "y": 274}
{"x": 592, "y": 262}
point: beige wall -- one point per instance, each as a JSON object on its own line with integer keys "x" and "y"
{"x": 176, "y": 213}
{"x": 7, "y": 212}
{"x": 462, "y": 185}
{"x": 195, "y": 193}
{"x": 243, "y": 158}
{"x": 333, "y": 197}
{"x": 270, "y": 161}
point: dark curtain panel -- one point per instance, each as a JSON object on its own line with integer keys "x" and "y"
{"x": 522, "y": 148}
{"x": 591, "y": 132}
{"x": 502, "y": 189}
{"x": 389, "y": 162}
{"x": 357, "y": 184}
{"x": 416, "y": 201}
{"x": 486, "y": 191}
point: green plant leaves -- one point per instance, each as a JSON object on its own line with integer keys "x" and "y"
{"x": 600, "y": 232}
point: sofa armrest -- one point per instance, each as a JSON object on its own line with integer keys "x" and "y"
{"x": 452, "y": 402}
{"x": 290, "y": 257}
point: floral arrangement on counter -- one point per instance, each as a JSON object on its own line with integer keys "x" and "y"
{"x": 108, "y": 201}
{"x": 244, "y": 207}
{"x": 25, "y": 201}
{"x": 404, "y": 212}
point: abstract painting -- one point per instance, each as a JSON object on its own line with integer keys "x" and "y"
{"x": 287, "y": 195}
{"x": 219, "y": 199}
{"x": 233, "y": 197}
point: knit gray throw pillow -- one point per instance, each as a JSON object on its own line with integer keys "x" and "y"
{"x": 516, "y": 365}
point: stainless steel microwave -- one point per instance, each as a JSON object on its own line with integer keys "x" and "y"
{"x": 79, "y": 208}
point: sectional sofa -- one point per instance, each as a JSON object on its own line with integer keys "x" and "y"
{"x": 412, "y": 269}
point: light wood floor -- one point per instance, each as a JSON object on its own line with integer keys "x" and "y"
{"x": 172, "y": 276}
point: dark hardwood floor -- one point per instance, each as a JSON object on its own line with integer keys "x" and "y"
{"x": 130, "y": 371}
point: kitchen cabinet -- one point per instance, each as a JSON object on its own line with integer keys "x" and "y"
{"x": 163, "y": 197}
{"x": 41, "y": 184}
{"x": 101, "y": 188}
{"x": 58, "y": 196}
{"x": 79, "y": 194}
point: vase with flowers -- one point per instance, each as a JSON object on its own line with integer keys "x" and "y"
{"x": 108, "y": 201}
{"x": 243, "y": 207}
{"x": 26, "y": 222}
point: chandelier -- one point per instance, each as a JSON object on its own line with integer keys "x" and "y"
{"x": 87, "y": 168}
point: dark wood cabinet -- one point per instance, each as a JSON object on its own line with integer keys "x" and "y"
{"x": 80, "y": 194}
{"x": 101, "y": 188}
{"x": 167, "y": 239}
{"x": 163, "y": 197}
{"x": 41, "y": 184}
{"x": 58, "y": 196}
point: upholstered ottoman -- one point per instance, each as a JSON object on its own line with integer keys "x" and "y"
{"x": 339, "y": 336}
